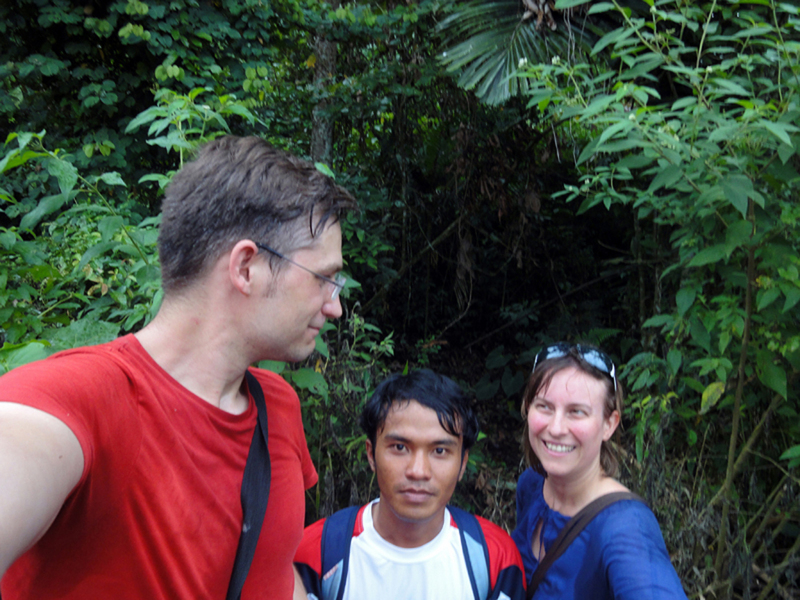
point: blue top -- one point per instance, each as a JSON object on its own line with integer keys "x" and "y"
{"x": 619, "y": 555}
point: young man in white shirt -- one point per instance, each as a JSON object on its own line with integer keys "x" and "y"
{"x": 408, "y": 544}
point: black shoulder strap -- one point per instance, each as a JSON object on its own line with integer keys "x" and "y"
{"x": 571, "y": 530}
{"x": 255, "y": 492}
{"x": 337, "y": 534}
{"x": 476, "y": 553}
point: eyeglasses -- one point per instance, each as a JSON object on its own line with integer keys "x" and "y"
{"x": 598, "y": 359}
{"x": 336, "y": 284}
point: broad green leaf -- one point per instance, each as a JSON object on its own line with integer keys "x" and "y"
{"x": 16, "y": 355}
{"x": 711, "y": 396}
{"x": 589, "y": 203}
{"x": 308, "y": 379}
{"x": 699, "y": 334}
{"x": 665, "y": 178}
{"x": 7, "y": 239}
{"x": 754, "y": 31}
{"x": 597, "y": 105}
{"x": 684, "y": 103}
{"x": 737, "y": 235}
{"x": 497, "y": 358}
{"x": 512, "y": 382}
{"x": 730, "y": 86}
{"x": 588, "y": 151}
{"x": 275, "y": 366}
{"x": 321, "y": 347}
{"x": 611, "y": 38}
{"x": 64, "y": 172}
{"x": 112, "y": 178}
{"x": 96, "y": 250}
{"x": 84, "y": 332}
{"x": 793, "y": 452}
{"x": 674, "y": 360}
{"x": 766, "y": 297}
{"x": 635, "y": 161}
{"x": 641, "y": 69}
{"x": 562, "y": 4}
{"x": 785, "y": 153}
{"x": 46, "y": 206}
{"x": 325, "y": 169}
{"x": 771, "y": 375}
{"x": 659, "y": 321}
{"x": 737, "y": 188}
{"x": 792, "y": 298}
{"x": 684, "y": 299}
{"x": 622, "y": 126}
{"x": 486, "y": 388}
{"x": 108, "y": 226}
{"x": 600, "y": 7}
{"x": 621, "y": 145}
{"x": 779, "y": 130}
{"x": 712, "y": 254}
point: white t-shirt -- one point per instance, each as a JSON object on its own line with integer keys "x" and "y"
{"x": 379, "y": 570}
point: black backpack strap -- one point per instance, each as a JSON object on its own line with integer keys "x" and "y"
{"x": 255, "y": 492}
{"x": 476, "y": 553}
{"x": 571, "y": 530}
{"x": 337, "y": 534}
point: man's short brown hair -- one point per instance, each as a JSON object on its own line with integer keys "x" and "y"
{"x": 241, "y": 188}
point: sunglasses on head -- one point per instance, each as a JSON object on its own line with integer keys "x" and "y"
{"x": 597, "y": 358}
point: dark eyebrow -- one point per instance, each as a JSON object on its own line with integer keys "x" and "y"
{"x": 394, "y": 438}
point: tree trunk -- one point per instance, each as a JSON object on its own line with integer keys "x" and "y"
{"x": 322, "y": 124}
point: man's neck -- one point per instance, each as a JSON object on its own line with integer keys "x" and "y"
{"x": 405, "y": 534}
{"x": 198, "y": 351}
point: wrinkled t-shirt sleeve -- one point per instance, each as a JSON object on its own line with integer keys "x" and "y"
{"x": 636, "y": 560}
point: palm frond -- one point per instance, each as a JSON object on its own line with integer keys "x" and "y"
{"x": 486, "y": 41}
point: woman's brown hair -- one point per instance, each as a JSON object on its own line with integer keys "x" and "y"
{"x": 540, "y": 379}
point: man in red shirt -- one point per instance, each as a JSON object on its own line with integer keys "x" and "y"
{"x": 121, "y": 465}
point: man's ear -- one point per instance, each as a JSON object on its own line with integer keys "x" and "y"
{"x": 241, "y": 260}
{"x": 464, "y": 462}
{"x": 370, "y": 454}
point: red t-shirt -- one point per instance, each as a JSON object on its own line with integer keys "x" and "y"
{"x": 157, "y": 512}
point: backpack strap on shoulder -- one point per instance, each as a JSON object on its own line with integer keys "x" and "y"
{"x": 571, "y": 530}
{"x": 476, "y": 552}
{"x": 337, "y": 533}
{"x": 254, "y": 492}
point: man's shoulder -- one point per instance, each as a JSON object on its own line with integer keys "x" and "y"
{"x": 501, "y": 548}
{"x": 103, "y": 363}
{"x": 272, "y": 383}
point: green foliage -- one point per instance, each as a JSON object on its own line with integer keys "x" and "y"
{"x": 94, "y": 65}
{"x": 333, "y": 385}
{"x": 180, "y": 123}
{"x": 76, "y": 270}
{"x": 682, "y": 124}
{"x": 694, "y": 129}
{"x": 488, "y": 41}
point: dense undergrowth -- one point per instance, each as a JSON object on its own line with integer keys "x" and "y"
{"x": 643, "y": 196}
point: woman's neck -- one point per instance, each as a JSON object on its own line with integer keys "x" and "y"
{"x": 569, "y": 495}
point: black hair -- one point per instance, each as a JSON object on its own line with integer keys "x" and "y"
{"x": 434, "y": 391}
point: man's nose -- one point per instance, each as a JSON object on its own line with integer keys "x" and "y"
{"x": 332, "y": 309}
{"x": 419, "y": 466}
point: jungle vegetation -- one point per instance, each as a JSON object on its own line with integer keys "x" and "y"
{"x": 619, "y": 172}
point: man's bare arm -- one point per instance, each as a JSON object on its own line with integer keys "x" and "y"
{"x": 41, "y": 461}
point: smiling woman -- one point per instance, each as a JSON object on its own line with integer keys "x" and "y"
{"x": 572, "y": 407}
